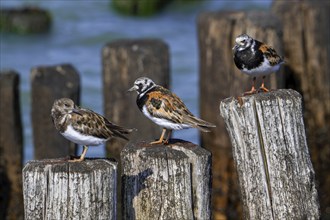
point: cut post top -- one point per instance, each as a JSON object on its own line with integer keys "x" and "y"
{"x": 272, "y": 95}
{"x": 174, "y": 144}
{"x": 62, "y": 164}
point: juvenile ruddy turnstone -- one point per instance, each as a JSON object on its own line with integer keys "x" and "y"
{"x": 255, "y": 59}
{"x": 83, "y": 126}
{"x": 165, "y": 109}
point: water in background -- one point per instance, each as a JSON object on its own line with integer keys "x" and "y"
{"x": 79, "y": 32}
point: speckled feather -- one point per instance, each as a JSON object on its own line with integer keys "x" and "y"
{"x": 270, "y": 54}
{"x": 250, "y": 56}
{"x": 91, "y": 123}
{"x": 84, "y": 121}
{"x": 164, "y": 104}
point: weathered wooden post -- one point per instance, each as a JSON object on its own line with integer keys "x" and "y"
{"x": 306, "y": 37}
{"x": 139, "y": 8}
{"x": 220, "y": 78}
{"x": 275, "y": 172}
{"x": 50, "y": 83}
{"x": 123, "y": 62}
{"x": 11, "y": 147}
{"x": 166, "y": 182}
{"x": 57, "y": 189}
{"x": 25, "y": 20}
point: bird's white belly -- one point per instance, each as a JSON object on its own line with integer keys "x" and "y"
{"x": 163, "y": 122}
{"x": 262, "y": 70}
{"x": 81, "y": 139}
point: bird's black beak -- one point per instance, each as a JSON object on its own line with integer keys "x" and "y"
{"x": 134, "y": 88}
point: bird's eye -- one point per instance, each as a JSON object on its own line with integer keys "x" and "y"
{"x": 243, "y": 41}
{"x": 66, "y": 105}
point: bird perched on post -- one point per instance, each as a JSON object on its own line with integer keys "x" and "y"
{"x": 255, "y": 59}
{"x": 83, "y": 126}
{"x": 165, "y": 109}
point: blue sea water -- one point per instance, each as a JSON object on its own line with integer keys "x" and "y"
{"x": 82, "y": 28}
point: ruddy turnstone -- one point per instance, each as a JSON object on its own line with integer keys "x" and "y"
{"x": 83, "y": 126}
{"x": 165, "y": 109}
{"x": 255, "y": 59}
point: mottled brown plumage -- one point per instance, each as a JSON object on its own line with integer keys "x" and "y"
{"x": 270, "y": 54}
{"x": 162, "y": 103}
{"x": 83, "y": 126}
{"x": 165, "y": 108}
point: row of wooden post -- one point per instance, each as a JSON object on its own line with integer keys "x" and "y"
{"x": 276, "y": 176}
{"x": 52, "y": 82}
{"x": 124, "y": 61}
{"x": 159, "y": 182}
{"x": 299, "y": 31}
{"x": 174, "y": 182}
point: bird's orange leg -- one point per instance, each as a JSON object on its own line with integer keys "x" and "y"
{"x": 82, "y": 155}
{"x": 160, "y": 141}
{"x": 168, "y": 137}
{"x": 262, "y": 87}
{"x": 253, "y": 89}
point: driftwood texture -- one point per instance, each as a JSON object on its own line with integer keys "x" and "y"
{"x": 11, "y": 147}
{"x": 57, "y": 189}
{"x": 49, "y": 83}
{"x": 274, "y": 168}
{"x": 166, "y": 182}
{"x": 306, "y": 36}
{"x": 220, "y": 78}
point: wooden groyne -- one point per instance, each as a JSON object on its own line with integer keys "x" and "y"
{"x": 11, "y": 147}
{"x": 219, "y": 79}
{"x": 306, "y": 37}
{"x": 299, "y": 32}
{"x": 275, "y": 173}
{"x": 48, "y": 84}
{"x": 123, "y": 62}
{"x": 58, "y": 189}
{"x": 166, "y": 182}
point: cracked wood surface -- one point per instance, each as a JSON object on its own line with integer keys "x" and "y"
{"x": 57, "y": 189}
{"x": 274, "y": 168}
{"x": 166, "y": 182}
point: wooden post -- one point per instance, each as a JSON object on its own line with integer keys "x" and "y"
{"x": 166, "y": 182}
{"x": 11, "y": 147}
{"x": 275, "y": 172}
{"x": 123, "y": 62}
{"x": 50, "y": 83}
{"x": 139, "y": 8}
{"x": 25, "y": 20}
{"x": 57, "y": 189}
{"x": 220, "y": 78}
{"x": 306, "y": 37}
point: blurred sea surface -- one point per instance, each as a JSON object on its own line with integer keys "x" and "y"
{"x": 81, "y": 29}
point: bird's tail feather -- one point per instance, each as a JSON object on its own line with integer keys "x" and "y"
{"x": 119, "y": 131}
{"x": 199, "y": 123}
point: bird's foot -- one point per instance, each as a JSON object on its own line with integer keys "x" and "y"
{"x": 76, "y": 160}
{"x": 159, "y": 142}
{"x": 156, "y": 142}
{"x": 263, "y": 89}
{"x": 251, "y": 92}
